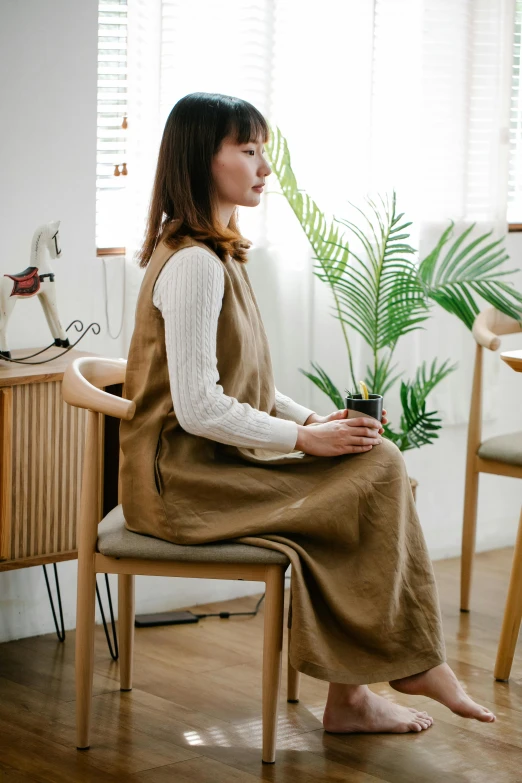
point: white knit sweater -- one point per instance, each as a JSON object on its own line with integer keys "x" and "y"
{"x": 189, "y": 293}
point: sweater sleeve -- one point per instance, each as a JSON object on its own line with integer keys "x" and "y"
{"x": 189, "y": 293}
{"x": 286, "y": 408}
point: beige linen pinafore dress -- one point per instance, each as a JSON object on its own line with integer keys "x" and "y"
{"x": 364, "y": 601}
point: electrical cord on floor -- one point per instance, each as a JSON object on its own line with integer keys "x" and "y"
{"x": 182, "y": 617}
{"x": 226, "y": 615}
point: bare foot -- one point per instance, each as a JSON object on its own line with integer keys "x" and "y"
{"x": 367, "y": 712}
{"x": 441, "y": 684}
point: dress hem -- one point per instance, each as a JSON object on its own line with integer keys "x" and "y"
{"x": 394, "y": 672}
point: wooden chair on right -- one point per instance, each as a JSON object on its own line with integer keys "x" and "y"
{"x": 500, "y": 455}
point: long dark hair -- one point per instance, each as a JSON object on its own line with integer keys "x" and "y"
{"x": 184, "y": 197}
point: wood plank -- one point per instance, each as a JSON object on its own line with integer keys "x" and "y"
{"x": 250, "y": 572}
{"x": 46, "y": 457}
{"x": 121, "y": 747}
{"x": 27, "y": 562}
{"x": 444, "y": 753}
{"x": 10, "y": 775}
{"x": 196, "y": 770}
{"x": 12, "y": 374}
{"x": 45, "y": 760}
{"x": 17, "y": 474}
{"x": 52, "y": 677}
{"x": 195, "y": 712}
{"x": 513, "y": 359}
{"x": 291, "y": 767}
{"x": 6, "y": 440}
{"x": 497, "y": 468}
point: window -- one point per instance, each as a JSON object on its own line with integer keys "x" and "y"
{"x": 515, "y": 131}
{"x": 443, "y": 156}
{"x": 111, "y": 164}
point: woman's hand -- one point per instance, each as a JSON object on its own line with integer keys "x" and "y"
{"x": 314, "y": 418}
{"x": 338, "y": 435}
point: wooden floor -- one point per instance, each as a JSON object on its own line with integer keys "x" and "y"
{"x": 195, "y": 712}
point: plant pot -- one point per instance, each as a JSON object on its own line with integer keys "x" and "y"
{"x": 358, "y": 406}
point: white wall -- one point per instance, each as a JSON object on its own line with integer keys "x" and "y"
{"x": 48, "y": 62}
{"x": 47, "y": 159}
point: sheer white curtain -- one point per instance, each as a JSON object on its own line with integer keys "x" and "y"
{"x": 408, "y": 94}
{"x": 440, "y": 136}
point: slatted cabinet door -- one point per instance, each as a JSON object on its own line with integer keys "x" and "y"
{"x": 47, "y": 456}
{"x": 6, "y": 408}
{"x": 41, "y": 453}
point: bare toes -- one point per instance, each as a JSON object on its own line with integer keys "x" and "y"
{"x": 469, "y": 709}
{"x": 422, "y": 715}
{"x": 486, "y": 716}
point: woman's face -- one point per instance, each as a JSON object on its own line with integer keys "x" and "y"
{"x": 239, "y": 172}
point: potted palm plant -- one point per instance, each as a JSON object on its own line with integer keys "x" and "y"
{"x": 381, "y": 291}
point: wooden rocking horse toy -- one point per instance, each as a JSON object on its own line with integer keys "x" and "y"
{"x": 36, "y": 280}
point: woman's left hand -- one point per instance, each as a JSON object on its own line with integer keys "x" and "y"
{"x": 314, "y": 418}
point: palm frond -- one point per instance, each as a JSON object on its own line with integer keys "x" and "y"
{"x": 452, "y": 279}
{"x": 381, "y": 296}
{"x": 427, "y": 379}
{"x": 325, "y": 238}
{"x": 380, "y": 292}
{"x": 419, "y": 426}
{"x": 379, "y": 378}
{"x": 327, "y": 241}
{"x": 325, "y": 384}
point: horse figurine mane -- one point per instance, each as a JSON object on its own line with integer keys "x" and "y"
{"x": 36, "y": 280}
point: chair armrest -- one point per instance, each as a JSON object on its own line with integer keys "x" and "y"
{"x": 84, "y": 380}
{"x": 489, "y": 324}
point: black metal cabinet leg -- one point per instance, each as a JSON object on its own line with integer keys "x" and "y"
{"x": 113, "y": 650}
{"x": 60, "y": 630}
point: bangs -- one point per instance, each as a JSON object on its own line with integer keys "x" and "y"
{"x": 247, "y": 124}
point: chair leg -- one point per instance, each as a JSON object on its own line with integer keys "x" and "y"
{"x": 126, "y": 628}
{"x": 84, "y": 649}
{"x": 469, "y": 529}
{"x": 272, "y": 658}
{"x": 293, "y": 677}
{"x": 512, "y": 614}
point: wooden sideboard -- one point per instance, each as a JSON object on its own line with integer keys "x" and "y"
{"x": 41, "y": 442}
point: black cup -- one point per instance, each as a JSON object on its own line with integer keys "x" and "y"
{"x": 358, "y": 406}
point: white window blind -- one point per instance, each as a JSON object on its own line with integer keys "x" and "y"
{"x": 515, "y": 128}
{"x": 111, "y": 136}
{"x": 439, "y": 140}
{"x": 371, "y": 96}
{"x": 227, "y": 51}
{"x": 291, "y": 60}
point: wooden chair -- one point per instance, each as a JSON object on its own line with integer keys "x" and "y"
{"x": 106, "y": 546}
{"x": 501, "y": 455}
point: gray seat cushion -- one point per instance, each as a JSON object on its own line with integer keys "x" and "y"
{"x": 114, "y": 540}
{"x": 503, "y": 448}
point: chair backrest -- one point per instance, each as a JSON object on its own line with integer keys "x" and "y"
{"x": 491, "y": 323}
{"x": 83, "y": 383}
{"x": 82, "y": 386}
{"x": 487, "y": 328}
